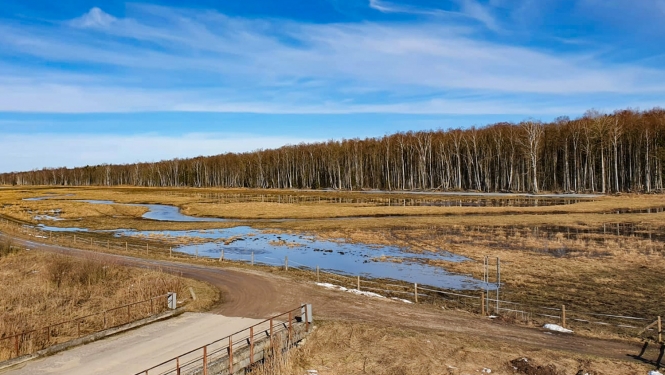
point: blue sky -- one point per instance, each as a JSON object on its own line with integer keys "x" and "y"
{"x": 88, "y": 82}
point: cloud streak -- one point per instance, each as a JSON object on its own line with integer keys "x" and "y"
{"x": 167, "y": 59}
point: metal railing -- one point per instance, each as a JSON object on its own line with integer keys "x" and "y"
{"x": 29, "y": 342}
{"x": 203, "y": 356}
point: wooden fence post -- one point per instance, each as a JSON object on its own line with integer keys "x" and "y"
{"x": 126, "y": 246}
{"x": 415, "y": 292}
{"x": 318, "y": 279}
{"x": 221, "y": 256}
{"x": 358, "y": 282}
{"x": 286, "y": 263}
{"x": 252, "y": 258}
{"x": 147, "y": 248}
{"x": 74, "y": 238}
{"x": 170, "y": 252}
{"x": 660, "y": 331}
{"x": 563, "y": 316}
{"x": 482, "y": 303}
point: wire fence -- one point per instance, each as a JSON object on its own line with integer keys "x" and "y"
{"x": 475, "y": 301}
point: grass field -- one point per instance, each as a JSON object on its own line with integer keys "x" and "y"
{"x": 40, "y": 289}
{"x": 358, "y": 348}
{"x": 551, "y": 255}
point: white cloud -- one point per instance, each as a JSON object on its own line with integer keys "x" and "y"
{"x": 30, "y": 151}
{"x": 205, "y": 61}
{"x": 94, "y": 18}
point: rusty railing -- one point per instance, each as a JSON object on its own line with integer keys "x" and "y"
{"x": 203, "y": 356}
{"x": 29, "y": 342}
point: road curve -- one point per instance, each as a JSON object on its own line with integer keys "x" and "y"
{"x": 255, "y": 294}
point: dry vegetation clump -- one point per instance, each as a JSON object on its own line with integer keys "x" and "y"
{"x": 41, "y": 289}
{"x": 340, "y": 348}
{"x": 6, "y": 247}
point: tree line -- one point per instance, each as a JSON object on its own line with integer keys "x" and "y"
{"x": 619, "y": 152}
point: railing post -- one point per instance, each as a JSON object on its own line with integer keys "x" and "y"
{"x": 205, "y": 360}
{"x": 563, "y": 316}
{"x": 286, "y": 263}
{"x": 358, "y": 282}
{"x": 252, "y": 258}
{"x": 415, "y": 292}
{"x": 306, "y": 320}
{"x": 230, "y": 355}
{"x": 660, "y": 331}
{"x": 177, "y": 366}
{"x": 290, "y": 326}
{"x": 318, "y": 279}
{"x": 251, "y": 345}
{"x": 271, "y": 329}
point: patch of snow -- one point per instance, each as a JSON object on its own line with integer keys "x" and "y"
{"x": 653, "y": 372}
{"x": 47, "y": 217}
{"x": 401, "y": 300}
{"x": 486, "y": 371}
{"x": 556, "y": 328}
{"x": 354, "y": 291}
{"x": 492, "y": 316}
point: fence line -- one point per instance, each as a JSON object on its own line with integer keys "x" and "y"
{"x": 492, "y": 304}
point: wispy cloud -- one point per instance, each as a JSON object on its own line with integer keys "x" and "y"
{"x": 169, "y": 59}
{"x": 479, "y": 12}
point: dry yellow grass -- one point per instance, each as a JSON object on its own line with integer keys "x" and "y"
{"x": 41, "y": 289}
{"x": 337, "y": 348}
{"x": 605, "y": 273}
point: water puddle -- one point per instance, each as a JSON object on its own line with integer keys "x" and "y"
{"x": 158, "y": 212}
{"x": 352, "y": 259}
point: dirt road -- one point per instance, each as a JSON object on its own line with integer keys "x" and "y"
{"x": 256, "y": 294}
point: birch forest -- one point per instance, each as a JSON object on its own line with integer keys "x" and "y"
{"x": 620, "y": 152}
